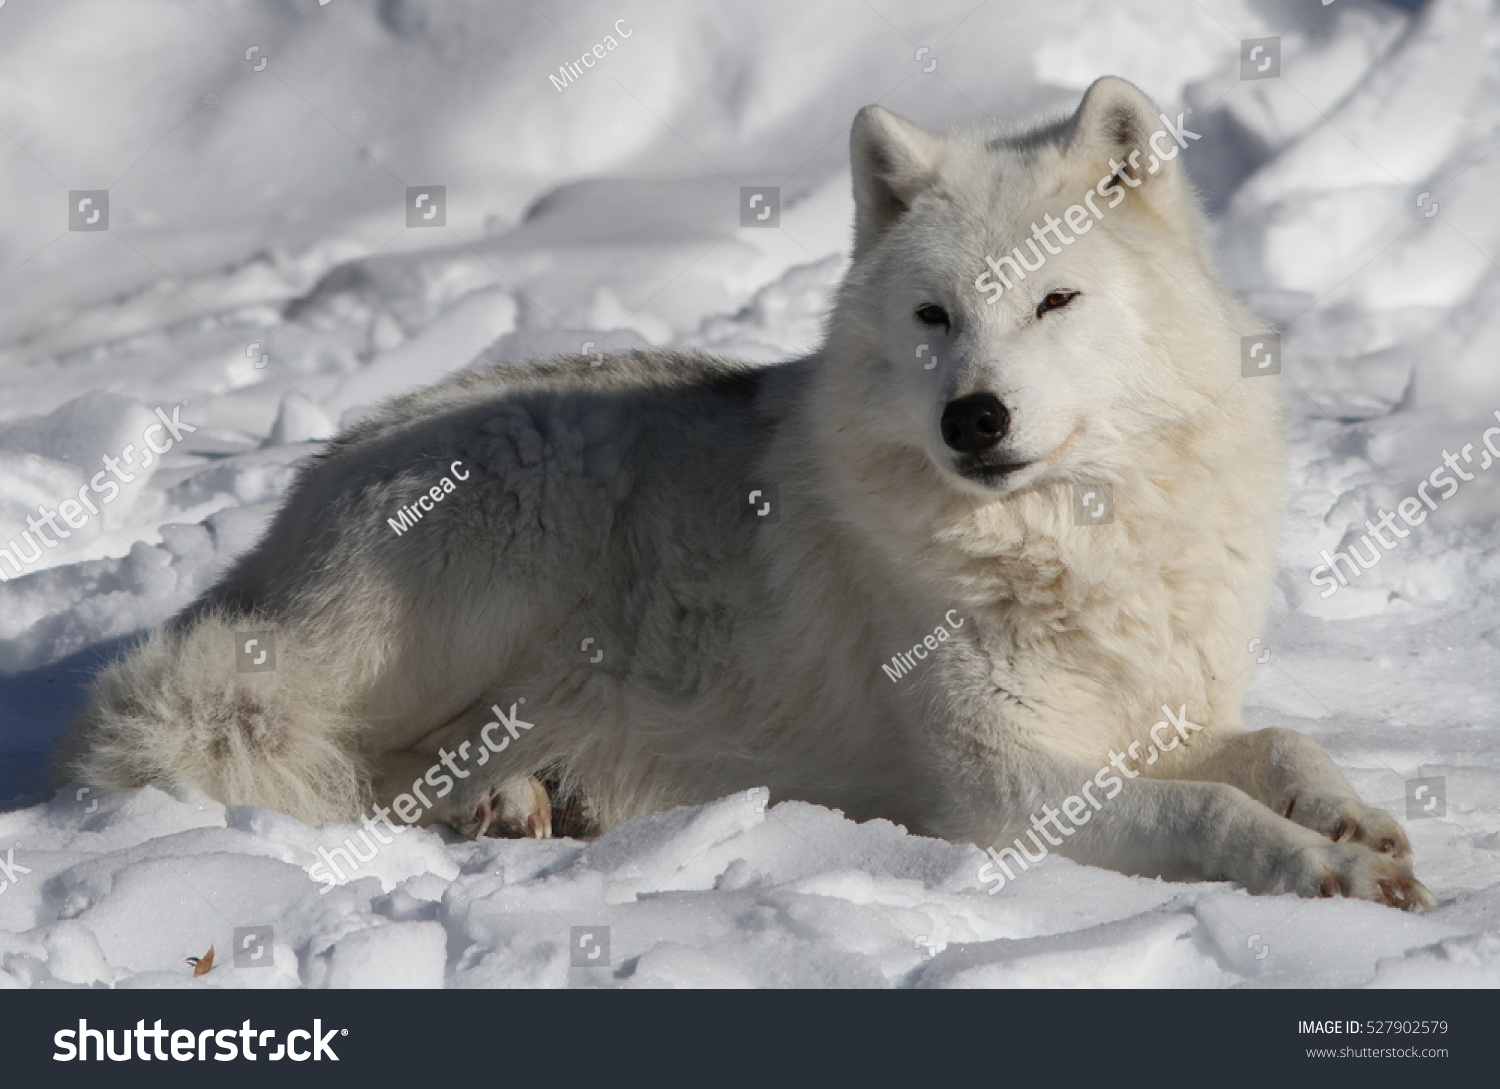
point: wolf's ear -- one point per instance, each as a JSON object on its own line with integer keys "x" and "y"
{"x": 1116, "y": 123}
{"x": 892, "y": 160}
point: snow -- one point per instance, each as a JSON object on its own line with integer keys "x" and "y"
{"x": 258, "y": 218}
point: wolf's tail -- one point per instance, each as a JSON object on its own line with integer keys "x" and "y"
{"x": 179, "y": 709}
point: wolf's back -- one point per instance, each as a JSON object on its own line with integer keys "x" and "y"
{"x": 565, "y": 473}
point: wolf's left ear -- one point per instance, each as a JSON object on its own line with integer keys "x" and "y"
{"x": 892, "y": 160}
{"x": 1117, "y": 124}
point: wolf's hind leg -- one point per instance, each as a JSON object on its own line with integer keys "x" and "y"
{"x": 515, "y": 808}
{"x": 1292, "y": 775}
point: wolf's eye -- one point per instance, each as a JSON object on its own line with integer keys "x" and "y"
{"x": 931, "y": 314}
{"x": 1055, "y": 301}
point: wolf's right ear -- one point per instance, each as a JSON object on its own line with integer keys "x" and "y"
{"x": 1119, "y": 133}
{"x": 892, "y": 160}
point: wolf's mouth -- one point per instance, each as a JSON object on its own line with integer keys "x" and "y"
{"x": 988, "y": 473}
{"x": 997, "y": 472}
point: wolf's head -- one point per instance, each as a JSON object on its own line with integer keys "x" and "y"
{"x": 1022, "y": 306}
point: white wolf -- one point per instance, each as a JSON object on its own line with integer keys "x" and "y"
{"x": 692, "y": 571}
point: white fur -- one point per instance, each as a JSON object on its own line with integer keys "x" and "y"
{"x": 606, "y": 503}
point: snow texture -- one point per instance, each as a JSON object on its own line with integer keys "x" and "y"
{"x": 257, "y": 274}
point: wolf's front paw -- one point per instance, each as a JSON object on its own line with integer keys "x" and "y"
{"x": 518, "y": 808}
{"x": 1349, "y": 820}
{"x": 1352, "y": 869}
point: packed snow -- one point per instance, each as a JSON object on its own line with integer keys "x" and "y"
{"x": 257, "y": 277}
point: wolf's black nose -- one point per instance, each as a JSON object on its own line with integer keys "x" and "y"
{"x": 975, "y": 423}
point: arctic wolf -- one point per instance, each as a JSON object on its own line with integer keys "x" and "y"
{"x": 661, "y": 580}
